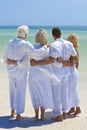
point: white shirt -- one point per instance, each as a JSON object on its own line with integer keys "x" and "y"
{"x": 17, "y": 49}
{"x": 64, "y": 49}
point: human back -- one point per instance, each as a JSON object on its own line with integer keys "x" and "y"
{"x": 16, "y": 48}
{"x": 41, "y": 56}
{"x": 68, "y": 50}
{"x": 39, "y": 82}
{"x": 41, "y": 39}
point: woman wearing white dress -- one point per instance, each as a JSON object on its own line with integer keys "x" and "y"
{"x": 74, "y": 101}
{"x": 41, "y": 79}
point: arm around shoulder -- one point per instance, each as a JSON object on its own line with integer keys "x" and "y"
{"x": 46, "y": 61}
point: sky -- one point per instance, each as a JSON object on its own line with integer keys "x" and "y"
{"x": 43, "y": 12}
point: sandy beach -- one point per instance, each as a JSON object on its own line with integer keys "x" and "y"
{"x": 77, "y": 123}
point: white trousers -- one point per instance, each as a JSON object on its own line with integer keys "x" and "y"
{"x": 57, "y": 99}
{"x": 60, "y": 96}
{"x": 17, "y": 92}
{"x": 64, "y": 93}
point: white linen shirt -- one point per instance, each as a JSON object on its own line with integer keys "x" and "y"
{"x": 18, "y": 48}
{"x": 64, "y": 49}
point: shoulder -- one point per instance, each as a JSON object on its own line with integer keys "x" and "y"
{"x": 10, "y": 43}
{"x": 68, "y": 43}
{"x": 56, "y": 45}
{"x": 26, "y": 43}
{"x": 53, "y": 43}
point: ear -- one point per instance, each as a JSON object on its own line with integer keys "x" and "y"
{"x": 25, "y": 36}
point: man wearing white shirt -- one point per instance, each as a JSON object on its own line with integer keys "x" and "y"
{"x": 64, "y": 49}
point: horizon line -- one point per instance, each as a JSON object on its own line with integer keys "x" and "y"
{"x": 43, "y": 25}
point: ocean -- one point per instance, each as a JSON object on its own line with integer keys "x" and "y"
{"x": 9, "y": 32}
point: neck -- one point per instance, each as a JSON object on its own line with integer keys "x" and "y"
{"x": 56, "y": 38}
{"x": 21, "y": 38}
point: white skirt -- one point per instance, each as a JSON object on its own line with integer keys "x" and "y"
{"x": 74, "y": 100}
{"x": 40, "y": 88}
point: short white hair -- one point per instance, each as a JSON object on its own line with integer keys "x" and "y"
{"x": 22, "y": 31}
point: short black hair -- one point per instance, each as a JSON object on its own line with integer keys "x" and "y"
{"x": 56, "y": 32}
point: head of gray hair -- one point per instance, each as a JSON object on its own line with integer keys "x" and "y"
{"x": 41, "y": 37}
{"x": 22, "y": 31}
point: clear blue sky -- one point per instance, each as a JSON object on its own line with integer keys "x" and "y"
{"x": 43, "y": 12}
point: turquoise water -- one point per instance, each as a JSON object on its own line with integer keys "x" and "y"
{"x": 9, "y": 32}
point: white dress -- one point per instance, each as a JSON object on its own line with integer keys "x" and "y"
{"x": 41, "y": 79}
{"x": 74, "y": 100}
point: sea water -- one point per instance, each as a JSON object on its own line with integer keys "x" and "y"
{"x": 9, "y": 32}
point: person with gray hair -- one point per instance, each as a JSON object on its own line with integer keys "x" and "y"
{"x": 16, "y": 50}
{"x": 41, "y": 37}
{"x": 41, "y": 79}
{"x": 22, "y": 31}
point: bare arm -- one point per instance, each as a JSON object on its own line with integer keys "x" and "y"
{"x": 75, "y": 60}
{"x": 49, "y": 60}
{"x": 23, "y": 61}
{"x": 65, "y": 63}
{"x": 9, "y": 61}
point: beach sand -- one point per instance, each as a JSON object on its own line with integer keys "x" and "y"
{"x": 77, "y": 123}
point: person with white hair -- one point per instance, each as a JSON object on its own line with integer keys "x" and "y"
{"x": 16, "y": 49}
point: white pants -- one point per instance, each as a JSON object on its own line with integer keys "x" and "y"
{"x": 57, "y": 100}
{"x": 64, "y": 93}
{"x": 17, "y": 92}
{"x": 60, "y": 96}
